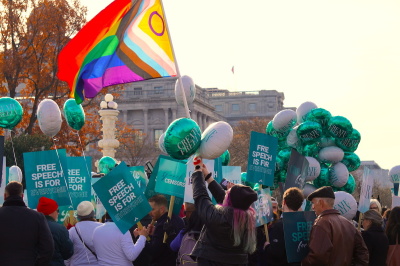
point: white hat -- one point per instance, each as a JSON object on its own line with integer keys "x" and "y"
{"x": 85, "y": 210}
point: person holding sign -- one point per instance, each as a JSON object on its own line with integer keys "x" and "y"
{"x": 229, "y": 232}
{"x": 25, "y": 236}
{"x": 275, "y": 252}
{"x": 333, "y": 240}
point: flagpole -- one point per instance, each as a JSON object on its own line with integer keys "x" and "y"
{"x": 172, "y": 199}
{"x": 176, "y": 64}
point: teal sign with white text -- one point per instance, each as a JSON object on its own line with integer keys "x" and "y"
{"x": 171, "y": 177}
{"x": 79, "y": 179}
{"x": 140, "y": 176}
{"x": 44, "y": 176}
{"x": 121, "y": 197}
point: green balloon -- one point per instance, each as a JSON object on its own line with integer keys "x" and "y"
{"x": 351, "y": 160}
{"x": 74, "y": 114}
{"x": 243, "y": 177}
{"x": 311, "y": 149}
{"x": 270, "y": 130}
{"x": 11, "y": 112}
{"x": 106, "y": 164}
{"x": 225, "y": 158}
{"x": 182, "y": 138}
{"x": 349, "y": 143}
{"x": 309, "y": 132}
{"x": 282, "y": 143}
{"x": 323, "y": 178}
{"x": 283, "y": 158}
{"x": 350, "y": 185}
{"x": 319, "y": 115}
{"x": 339, "y": 127}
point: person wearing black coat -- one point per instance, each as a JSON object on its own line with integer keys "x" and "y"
{"x": 224, "y": 240}
{"x": 25, "y": 238}
{"x": 375, "y": 238}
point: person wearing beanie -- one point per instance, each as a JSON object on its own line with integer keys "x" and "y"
{"x": 63, "y": 247}
{"x": 333, "y": 239}
{"x": 25, "y": 237}
{"x": 375, "y": 238}
{"x": 229, "y": 233}
{"x": 81, "y": 236}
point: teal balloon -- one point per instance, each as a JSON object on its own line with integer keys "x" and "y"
{"x": 323, "y": 178}
{"x": 243, "y": 177}
{"x": 225, "y": 158}
{"x": 270, "y": 130}
{"x": 11, "y": 112}
{"x": 256, "y": 187}
{"x": 351, "y": 160}
{"x": 74, "y": 114}
{"x": 319, "y": 115}
{"x": 309, "y": 132}
{"x": 283, "y": 158}
{"x": 339, "y": 127}
{"x": 182, "y": 138}
{"x": 282, "y": 143}
{"x": 350, "y": 185}
{"x": 310, "y": 150}
{"x": 349, "y": 143}
{"x": 106, "y": 164}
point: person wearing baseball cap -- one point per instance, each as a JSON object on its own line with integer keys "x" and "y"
{"x": 63, "y": 247}
{"x": 229, "y": 232}
{"x": 333, "y": 239}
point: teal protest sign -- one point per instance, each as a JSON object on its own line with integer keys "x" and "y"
{"x": 171, "y": 177}
{"x": 99, "y": 207}
{"x": 232, "y": 174}
{"x": 79, "y": 179}
{"x": 263, "y": 207}
{"x": 150, "y": 189}
{"x": 140, "y": 176}
{"x": 45, "y": 178}
{"x": 366, "y": 191}
{"x": 296, "y": 170}
{"x": 297, "y": 227}
{"x": 121, "y": 197}
{"x": 262, "y": 157}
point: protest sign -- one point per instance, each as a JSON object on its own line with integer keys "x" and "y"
{"x": 263, "y": 207}
{"x": 171, "y": 177}
{"x": 366, "y": 191}
{"x": 395, "y": 201}
{"x": 45, "y": 178}
{"x": 99, "y": 207}
{"x": 262, "y": 157}
{"x": 79, "y": 179}
{"x": 297, "y": 227}
{"x": 232, "y": 174}
{"x": 296, "y": 170}
{"x": 140, "y": 176}
{"x": 121, "y": 197}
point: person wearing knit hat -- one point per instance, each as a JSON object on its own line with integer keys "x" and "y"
{"x": 229, "y": 233}
{"x": 63, "y": 247}
{"x": 333, "y": 239}
{"x": 81, "y": 236}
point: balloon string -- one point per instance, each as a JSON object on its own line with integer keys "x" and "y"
{"x": 62, "y": 170}
{"x": 12, "y": 145}
{"x": 83, "y": 153}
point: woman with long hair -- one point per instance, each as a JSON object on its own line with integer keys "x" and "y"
{"x": 229, "y": 232}
{"x": 393, "y": 226}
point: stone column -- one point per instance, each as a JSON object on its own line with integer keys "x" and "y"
{"x": 108, "y": 143}
{"x": 125, "y": 115}
{"x": 166, "y": 118}
{"x": 174, "y": 111}
{"x": 145, "y": 122}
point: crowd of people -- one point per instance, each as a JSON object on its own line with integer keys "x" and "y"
{"x": 208, "y": 234}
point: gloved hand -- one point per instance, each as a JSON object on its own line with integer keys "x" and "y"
{"x": 168, "y": 227}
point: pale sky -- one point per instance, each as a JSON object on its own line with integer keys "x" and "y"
{"x": 342, "y": 55}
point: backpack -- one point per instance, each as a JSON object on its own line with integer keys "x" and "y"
{"x": 187, "y": 245}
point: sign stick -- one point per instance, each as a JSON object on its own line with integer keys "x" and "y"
{"x": 266, "y": 232}
{"x": 171, "y": 207}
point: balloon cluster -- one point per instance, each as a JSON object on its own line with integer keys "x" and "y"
{"x": 183, "y": 137}
{"x": 328, "y": 143}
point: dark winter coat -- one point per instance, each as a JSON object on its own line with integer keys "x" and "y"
{"x": 377, "y": 244}
{"x": 25, "y": 238}
{"x": 63, "y": 246}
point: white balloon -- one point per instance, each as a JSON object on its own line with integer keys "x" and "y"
{"x": 308, "y": 189}
{"x": 314, "y": 168}
{"x": 331, "y": 154}
{"x": 292, "y": 140}
{"x": 161, "y": 143}
{"x": 49, "y": 117}
{"x": 345, "y": 204}
{"x": 303, "y": 110}
{"x": 15, "y": 174}
{"x": 215, "y": 140}
{"x": 284, "y": 120}
{"x": 394, "y": 174}
{"x": 189, "y": 89}
{"x": 338, "y": 175}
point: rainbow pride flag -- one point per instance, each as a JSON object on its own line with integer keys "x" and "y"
{"x": 126, "y": 42}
